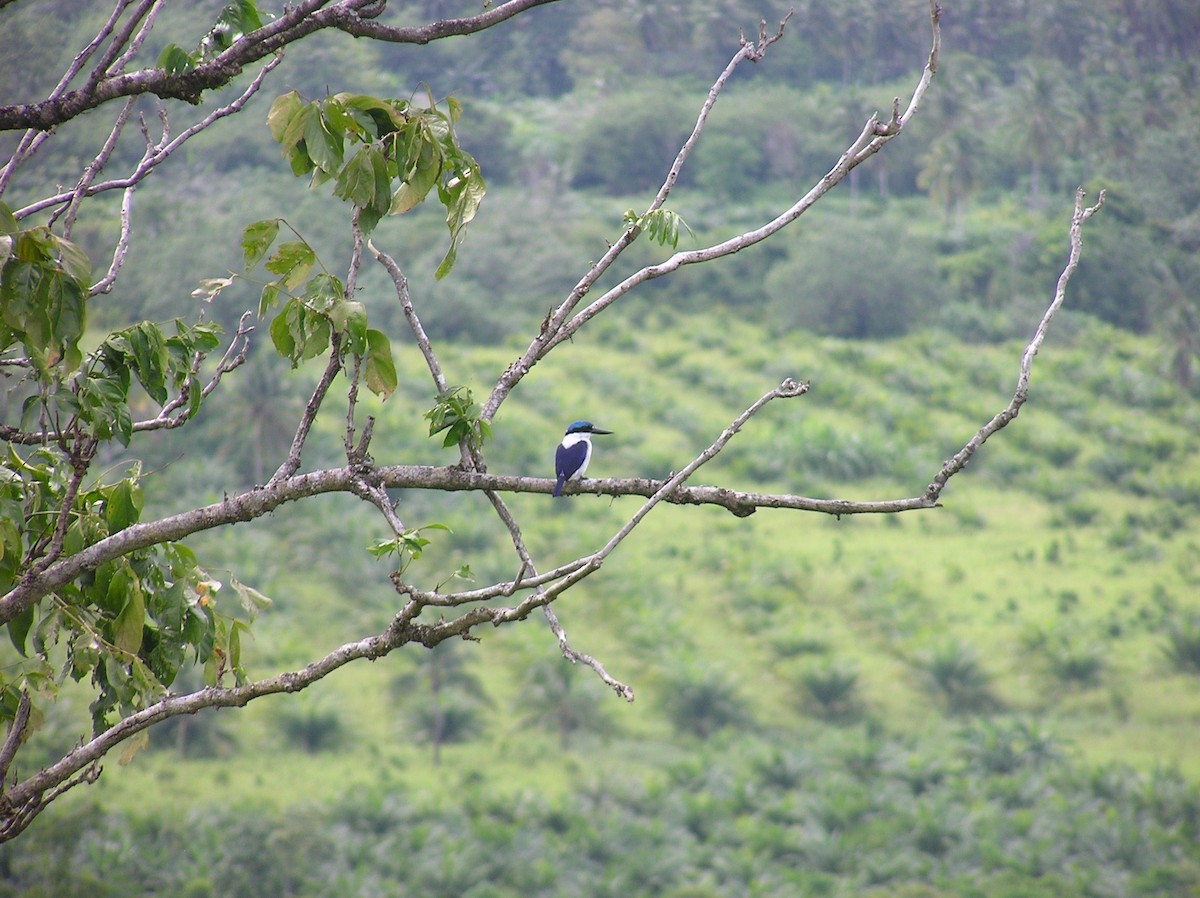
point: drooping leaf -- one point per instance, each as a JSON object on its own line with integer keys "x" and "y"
{"x": 281, "y": 333}
{"x": 281, "y": 120}
{"x": 8, "y": 221}
{"x": 18, "y": 629}
{"x": 294, "y": 262}
{"x": 461, "y": 197}
{"x": 267, "y": 299}
{"x": 356, "y": 181}
{"x": 325, "y": 148}
{"x": 257, "y": 239}
{"x": 134, "y": 744}
{"x": 252, "y": 600}
{"x": 127, "y": 631}
{"x": 75, "y": 263}
{"x": 380, "y": 374}
{"x": 123, "y": 506}
{"x": 350, "y": 319}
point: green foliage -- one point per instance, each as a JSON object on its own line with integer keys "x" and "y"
{"x": 661, "y": 226}
{"x": 563, "y": 698}
{"x": 860, "y": 278}
{"x": 311, "y": 725}
{"x": 315, "y": 307}
{"x": 830, "y": 691}
{"x": 134, "y": 623}
{"x": 703, "y": 702}
{"x": 364, "y": 144}
{"x": 408, "y": 546}
{"x": 458, "y": 415}
{"x": 44, "y": 284}
{"x": 1182, "y": 647}
{"x": 627, "y": 144}
{"x": 1004, "y": 814}
{"x": 956, "y": 675}
{"x": 238, "y": 18}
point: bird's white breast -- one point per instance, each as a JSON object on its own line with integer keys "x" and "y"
{"x": 570, "y": 440}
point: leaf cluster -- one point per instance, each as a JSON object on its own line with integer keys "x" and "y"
{"x": 238, "y": 18}
{"x": 314, "y": 306}
{"x": 457, "y": 413}
{"x": 131, "y": 624}
{"x": 383, "y": 156}
{"x": 44, "y": 283}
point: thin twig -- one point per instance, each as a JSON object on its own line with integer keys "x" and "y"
{"x": 410, "y": 315}
{"x": 551, "y": 332}
{"x": 291, "y": 464}
{"x": 959, "y": 461}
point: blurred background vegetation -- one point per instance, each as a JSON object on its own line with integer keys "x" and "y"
{"x": 996, "y": 698}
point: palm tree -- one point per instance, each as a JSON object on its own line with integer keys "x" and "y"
{"x": 554, "y": 696}
{"x": 1039, "y": 119}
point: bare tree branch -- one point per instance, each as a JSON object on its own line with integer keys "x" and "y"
{"x": 561, "y": 326}
{"x": 296, "y": 22}
{"x": 1002, "y": 418}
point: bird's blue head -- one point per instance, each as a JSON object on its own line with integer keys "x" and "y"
{"x": 585, "y": 427}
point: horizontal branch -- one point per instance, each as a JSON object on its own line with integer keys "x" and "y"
{"x": 297, "y": 22}
{"x": 261, "y": 501}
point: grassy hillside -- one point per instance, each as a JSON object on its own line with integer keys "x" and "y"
{"x": 1053, "y": 574}
{"x": 1030, "y": 617}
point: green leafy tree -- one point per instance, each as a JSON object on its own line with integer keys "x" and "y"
{"x": 94, "y": 587}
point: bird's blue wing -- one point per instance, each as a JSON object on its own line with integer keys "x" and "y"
{"x": 567, "y": 460}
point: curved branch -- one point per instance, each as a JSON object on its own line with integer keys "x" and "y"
{"x": 551, "y": 330}
{"x": 297, "y": 22}
{"x": 959, "y": 461}
{"x": 26, "y": 799}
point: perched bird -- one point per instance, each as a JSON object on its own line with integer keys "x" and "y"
{"x": 574, "y": 452}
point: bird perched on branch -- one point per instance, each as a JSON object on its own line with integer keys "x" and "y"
{"x": 574, "y": 452}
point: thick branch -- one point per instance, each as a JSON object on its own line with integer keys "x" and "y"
{"x": 261, "y": 501}
{"x": 298, "y": 21}
{"x": 24, "y": 800}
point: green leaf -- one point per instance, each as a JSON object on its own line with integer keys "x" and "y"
{"x": 257, "y": 239}
{"x": 281, "y": 119}
{"x": 295, "y": 142}
{"x": 419, "y": 179}
{"x": 75, "y": 263}
{"x": 324, "y": 292}
{"x": 174, "y": 60}
{"x": 281, "y": 333}
{"x": 252, "y": 600}
{"x": 127, "y": 631}
{"x": 380, "y": 372}
{"x": 325, "y": 148}
{"x": 18, "y": 629}
{"x": 356, "y": 181}
{"x": 384, "y": 116}
{"x": 123, "y": 506}
{"x": 461, "y": 197}
{"x": 8, "y": 221}
{"x": 350, "y": 319}
{"x": 293, "y": 262}
{"x": 267, "y": 299}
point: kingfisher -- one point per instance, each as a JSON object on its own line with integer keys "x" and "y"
{"x": 574, "y": 452}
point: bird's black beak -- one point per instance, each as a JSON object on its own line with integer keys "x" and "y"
{"x": 600, "y": 430}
